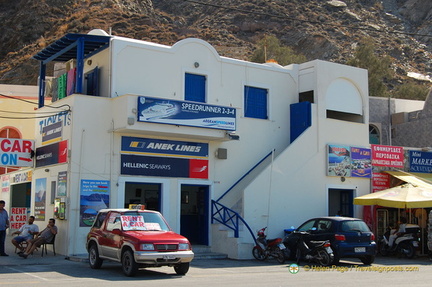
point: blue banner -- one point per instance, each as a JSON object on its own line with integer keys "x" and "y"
{"x": 147, "y": 146}
{"x": 182, "y": 113}
{"x": 163, "y": 166}
{"x": 420, "y": 161}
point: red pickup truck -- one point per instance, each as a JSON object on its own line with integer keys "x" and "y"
{"x": 137, "y": 239}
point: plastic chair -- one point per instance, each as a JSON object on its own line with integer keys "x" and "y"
{"x": 44, "y": 246}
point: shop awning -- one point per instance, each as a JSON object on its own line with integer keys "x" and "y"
{"x": 416, "y": 179}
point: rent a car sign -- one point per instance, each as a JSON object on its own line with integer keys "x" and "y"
{"x": 136, "y": 222}
{"x": 16, "y": 152}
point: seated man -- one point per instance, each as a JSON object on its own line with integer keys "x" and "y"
{"x": 25, "y": 233}
{"x": 44, "y": 236}
{"x": 399, "y": 232}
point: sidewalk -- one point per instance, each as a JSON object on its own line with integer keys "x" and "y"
{"x": 14, "y": 260}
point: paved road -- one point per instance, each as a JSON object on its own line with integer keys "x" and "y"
{"x": 57, "y": 271}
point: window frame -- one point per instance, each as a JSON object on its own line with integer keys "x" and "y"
{"x": 247, "y": 112}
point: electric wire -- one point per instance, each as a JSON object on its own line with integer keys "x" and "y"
{"x": 49, "y": 114}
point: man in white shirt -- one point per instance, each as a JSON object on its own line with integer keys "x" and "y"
{"x": 25, "y": 233}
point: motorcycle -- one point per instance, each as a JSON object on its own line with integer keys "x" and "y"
{"x": 268, "y": 247}
{"x": 403, "y": 245}
{"x": 313, "y": 251}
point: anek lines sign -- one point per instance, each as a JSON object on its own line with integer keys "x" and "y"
{"x": 16, "y": 152}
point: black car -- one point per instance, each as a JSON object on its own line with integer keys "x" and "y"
{"x": 349, "y": 237}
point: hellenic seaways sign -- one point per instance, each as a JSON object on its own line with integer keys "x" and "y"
{"x": 183, "y": 113}
{"x": 155, "y": 157}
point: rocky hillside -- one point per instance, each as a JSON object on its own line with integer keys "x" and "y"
{"x": 320, "y": 29}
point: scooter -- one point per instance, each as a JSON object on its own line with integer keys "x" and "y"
{"x": 268, "y": 247}
{"x": 313, "y": 251}
{"x": 403, "y": 245}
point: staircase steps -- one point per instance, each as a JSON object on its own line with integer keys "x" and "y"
{"x": 204, "y": 252}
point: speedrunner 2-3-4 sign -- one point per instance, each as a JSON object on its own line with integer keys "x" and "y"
{"x": 182, "y": 113}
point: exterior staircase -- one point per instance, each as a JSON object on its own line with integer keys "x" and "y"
{"x": 204, "y": 252}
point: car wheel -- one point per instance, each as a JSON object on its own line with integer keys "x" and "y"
{"x": 368, "y": 259}
{"x": 258, "y": 253}
{"x": 130, "y": 267}
{"x": 182, "y": 268}
{"x": 94, "y": 259}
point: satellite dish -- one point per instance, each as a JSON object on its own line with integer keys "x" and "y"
{"x": 98, "y": 32}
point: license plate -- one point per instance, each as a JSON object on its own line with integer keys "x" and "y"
{"x": 359, "y": 249}
{"x": 329, "y": 250}
{"x": 281, "y": 246}
{"x": 167, "y": 257}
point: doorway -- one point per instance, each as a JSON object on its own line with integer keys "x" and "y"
{"x": 194, "y": 217}
{"x": 21, "y": 195}
{"x": 341, "y": 202}
{"x": 148, "y": 194}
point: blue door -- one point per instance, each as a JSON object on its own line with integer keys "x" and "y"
{"x": 194, "y": 217}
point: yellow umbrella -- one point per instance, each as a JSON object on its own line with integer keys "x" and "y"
{"x": 403, "y": 196}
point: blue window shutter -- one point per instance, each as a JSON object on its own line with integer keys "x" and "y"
{"x": 255, "y": 100}
{"x": 195, "y": 87}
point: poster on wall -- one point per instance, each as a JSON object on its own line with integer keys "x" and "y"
{"x": 94, "y": 196}
{"x": 18, "y": 217}
{"x": 389, "y": 156}
{"x": 5, "y": 183}
{"x": 339, "y": 161}
{"x": 361, "y": 162}
{"x": 380, "y": 181}
{"x": 420, "y": 161}
{"x": 52, "y": 154}
{"x": 40, "y": 199}
{"x": 61, "y": 184}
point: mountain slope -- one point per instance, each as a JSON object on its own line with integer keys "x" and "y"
{"x": 327, "y": 30}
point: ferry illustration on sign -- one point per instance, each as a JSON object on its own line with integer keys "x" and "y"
{"x": 158, "y": 111}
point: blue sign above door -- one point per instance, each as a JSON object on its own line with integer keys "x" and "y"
{"x": 147, "y": 146}
{"x": 183, "y": 113}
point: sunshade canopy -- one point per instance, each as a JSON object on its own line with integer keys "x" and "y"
{"x": 403, "y": 196}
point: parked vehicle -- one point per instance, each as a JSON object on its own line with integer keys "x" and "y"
{"x": 136, "y": 239}
{"x": 403, "y": 245}
{"x": 349, "y": 237}
{"x": 268, "y": 247}
{"x": 313, "y": 251}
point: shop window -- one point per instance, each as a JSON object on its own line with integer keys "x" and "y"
{"x": 195, "y": 88}
{"x": 255, "y": 102}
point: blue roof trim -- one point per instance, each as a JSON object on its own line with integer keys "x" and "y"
{"x": 66, "y": 47}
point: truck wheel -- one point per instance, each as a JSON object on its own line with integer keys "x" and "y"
{"x": 182, "y": 268}
{"x": 94, "y": 259}
{"x": 130, "y": 267}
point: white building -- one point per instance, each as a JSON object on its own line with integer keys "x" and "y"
{"x": 188, "y": 132}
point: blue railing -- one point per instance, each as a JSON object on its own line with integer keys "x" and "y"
{"x": 249, "y": 171}
{"x": 229, "y": 218}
